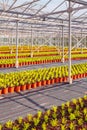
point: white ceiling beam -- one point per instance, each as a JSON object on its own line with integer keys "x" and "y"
{"x": 82, "y": 2}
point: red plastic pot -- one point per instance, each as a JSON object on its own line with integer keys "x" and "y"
{"x": 61, "y": 79}
{"x": 23, "y": 88}
{"x": 56, "y": 80}
{"x": 84, "y": 75}
{"x": 11, "y": 89}
{"x": 20, "y": 64}
{"x": 2, "y": 65}
{"x": 4, "y": 90}
{"x": 65, "y": 79}
{"x": 43, "y": 83}
{"x": 39, "y": 84}
{"x": 78, "y": 76}
{"x": 0, "y": 91}
{"x": 28, "y": 86}
{"x": 17, "y": 88}
{"x": 5, "y": 65}
{"x": 33, "y": 85}
{"x": 8, "y": 65}
{"x": 11, "y": 65}
{"x": 48, "y": 82}
{"x": 74, "y": 76}
{"x": 52, "y": 81}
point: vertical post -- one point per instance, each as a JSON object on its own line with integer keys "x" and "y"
{"x": 86, "y": 41}
{"x": 59, "y": 43}
{"x": 62, "y": 43}
{"x": 4, "y": 38}
{"x": 11, "y": 43}
{"x": 81, "y": 44}
{"x": 28, "y": 41}
{"x": 50, "y": 40}
{"x": 31, "y": 43}
{"x": 69, "y": 66}
{"x": 77, "y": 43}
{"x": 41, "y": 38}
{"x": 59, "y": 40}
{"x": 8, "y": 41}
{"x": 16, "y": 65}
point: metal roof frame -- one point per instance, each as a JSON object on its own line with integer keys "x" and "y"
{"x": 38, "y": 17}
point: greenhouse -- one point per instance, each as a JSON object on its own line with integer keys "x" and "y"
{"x": 43, "y": 64}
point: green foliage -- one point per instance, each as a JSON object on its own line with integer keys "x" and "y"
{"x": 20, "y": 120}
{"x": 85, "y": 111}
{"x": 39, "y": 113}
{"x": 80, "y": 121}
{"x": 9, "y": 124}
{"x": 33, "y": 128}
{"x": 25, "y": 126}
{"x": 0, "y": 126}
{"x": 70, "y": 109}
{"x": 72, "y": 126}
{"x": 72, "y": 117}
{"x": 74, "y": 101}
{"x": 44, "y": 126}
{"x": 63, "y": 112}
{"x": 81, "y": 104}
{"x": 63, "y": 106}
{"x": 64, "y": 120}
{"x": 68, "y": 104}
{"x": 77, "y": 113}
{"x": 86, "y": 117}
{"x": 54, "y": 108}
{"x": 85, "y": 97}
{"x": 15, "y": 128}
{"x": 36, "y": 121}
{"x": 77, "y": 107}
{"x": 83, "y": 129}
{"x": 46, "y": 118}
{"x": 48, "y": 112}
{"x": 54, "y": 115}
{"x": 63, "y": 127}
{"x": 80, "y": 100}
{"x": 29, "y": 117}
{"x": 54, "y": 122}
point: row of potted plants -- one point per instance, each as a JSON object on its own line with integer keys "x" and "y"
{"x": 34, "y": 48}
{"x": 71, "y": 115}
{"x": 25, "y": 80}
{"x": 35, "y": 54}
{"x": 26, "y": 48}
{"x": 20, "y": 55}
{"x": 36, "y": 60}
{"x": 28, "y": 61}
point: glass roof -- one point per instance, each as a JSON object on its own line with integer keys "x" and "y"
{"x": 42, "y": 14}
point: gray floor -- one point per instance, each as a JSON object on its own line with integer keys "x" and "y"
{"x": 7, "y": 70}
{"x": 23, "y": 103}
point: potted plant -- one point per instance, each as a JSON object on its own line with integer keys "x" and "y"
{"x": 38, "y": 81}
{"x": 11, "y": 88}
{"x": 33, "y": 83}
{"x": 17, "y": 87}
{"x": 22, "y": 84}
{"x": 28, "y": 84}
{"x": 4, "y": 89}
